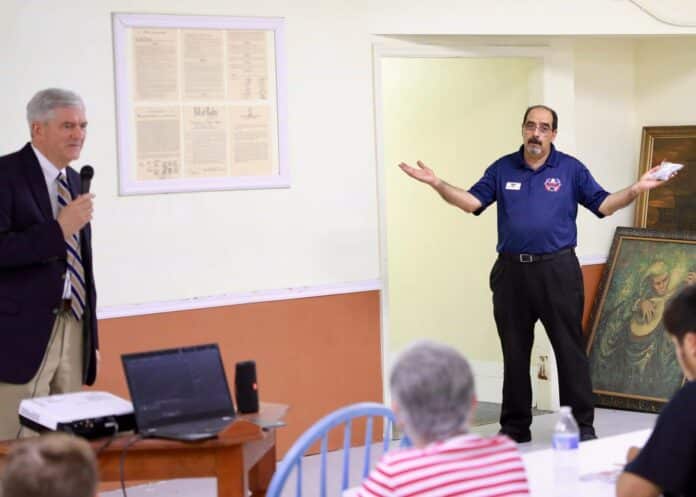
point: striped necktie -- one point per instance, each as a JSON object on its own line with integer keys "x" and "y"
{"x": 76, "y": 271}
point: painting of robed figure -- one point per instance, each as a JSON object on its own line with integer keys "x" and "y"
{"x": 632, "y": 359}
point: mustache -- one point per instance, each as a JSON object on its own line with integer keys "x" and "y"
{"x": 533, "y": 141}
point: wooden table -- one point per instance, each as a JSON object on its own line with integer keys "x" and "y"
{"x": 243, "y": 456}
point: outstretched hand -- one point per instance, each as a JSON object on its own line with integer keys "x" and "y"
{"x": 422, "y": 173}
{"x": 647, "y": 182}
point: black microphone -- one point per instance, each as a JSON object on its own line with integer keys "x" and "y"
{"x": 86, "y": 175}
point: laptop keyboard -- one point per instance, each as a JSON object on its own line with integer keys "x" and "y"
{"x": 201, "y": 426}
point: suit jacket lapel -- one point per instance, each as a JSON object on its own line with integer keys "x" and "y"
{"x": 36, "y": 180}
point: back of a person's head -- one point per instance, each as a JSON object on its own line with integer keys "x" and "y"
{"x": 53, "y": 465}
{"x": 433, "y": 388}
{"x": 680, "y": 314}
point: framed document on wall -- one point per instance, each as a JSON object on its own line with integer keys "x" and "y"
{"x": 201, "y": 103}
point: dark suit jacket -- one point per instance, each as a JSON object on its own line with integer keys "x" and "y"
{"x": 32, "y": 270}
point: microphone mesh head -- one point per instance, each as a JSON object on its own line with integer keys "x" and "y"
{"x": 87, "y": 172}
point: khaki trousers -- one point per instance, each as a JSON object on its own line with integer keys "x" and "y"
{"x": 60, "y": 372}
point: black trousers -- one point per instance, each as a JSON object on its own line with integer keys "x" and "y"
{"x": 552, "y": 291}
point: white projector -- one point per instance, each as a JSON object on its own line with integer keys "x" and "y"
{"x": 90, "y": 414}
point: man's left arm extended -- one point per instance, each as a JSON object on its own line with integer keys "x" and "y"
{"x": 619, "y": 200}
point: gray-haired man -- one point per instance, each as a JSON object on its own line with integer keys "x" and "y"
{"x": 48, "y": 325}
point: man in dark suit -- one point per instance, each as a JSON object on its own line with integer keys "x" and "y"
{"x": 48, "y": 325}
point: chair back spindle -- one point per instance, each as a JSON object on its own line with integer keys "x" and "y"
{"x": 319, "y": 432}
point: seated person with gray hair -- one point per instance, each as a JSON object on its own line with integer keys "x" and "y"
{"x": 52, "y": 465}
{"x": 433, "y": 397}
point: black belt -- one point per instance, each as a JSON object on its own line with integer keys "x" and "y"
{"x": 64, "y": 305}
{"x": 527, "y": 258}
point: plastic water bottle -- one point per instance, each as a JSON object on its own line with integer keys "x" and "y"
{"x": 566, "y": 459}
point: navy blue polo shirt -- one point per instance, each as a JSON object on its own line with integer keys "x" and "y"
{"x": 669, "y": 456}
{"x": 537, "y": 209}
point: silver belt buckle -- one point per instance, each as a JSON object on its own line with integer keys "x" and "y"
{"x": 526, "y": 258}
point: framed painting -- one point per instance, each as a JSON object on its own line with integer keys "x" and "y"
{"x": 632, "y": 360}
{"x": 671, "y": 207}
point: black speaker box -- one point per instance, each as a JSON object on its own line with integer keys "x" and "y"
{"x": 246, "y": 389}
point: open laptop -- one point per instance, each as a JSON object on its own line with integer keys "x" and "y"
{"x": 180, "y": 394}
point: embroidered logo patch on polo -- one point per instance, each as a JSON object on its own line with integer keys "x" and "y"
{"x": 552, "y": 184}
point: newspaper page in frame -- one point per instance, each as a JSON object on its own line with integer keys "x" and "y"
{"x": 203, "y": 64}
{"x": 158, "y": 149}
{"x": 251, "y": 141}
{"x": 202, "y": 108}
{"x": 247, "y": 65}
{"x": 155, "y": 64}
{"x": 205, "y": 131}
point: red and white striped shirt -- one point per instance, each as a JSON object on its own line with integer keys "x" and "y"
{"x": 466, "y": 465}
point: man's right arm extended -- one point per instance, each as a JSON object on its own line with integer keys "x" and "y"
{"x": 450, "y": 193}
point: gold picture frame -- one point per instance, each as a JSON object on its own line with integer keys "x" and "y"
{"x": 632, "y": 360}
{"x": 671, "y": 207}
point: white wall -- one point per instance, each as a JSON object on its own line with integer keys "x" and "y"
{"x": 665, "y": 81}
{"x": 525, "y": 17}
{"x": 607, "y": 133}
{"x": 323, "y": 230}
{"x": 621, "y": 86}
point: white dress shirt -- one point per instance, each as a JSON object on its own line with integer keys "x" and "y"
{"x": 51, "y": 173}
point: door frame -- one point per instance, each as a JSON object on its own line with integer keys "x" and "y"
{"x": 428, "y": 47}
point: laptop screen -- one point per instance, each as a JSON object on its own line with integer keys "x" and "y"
{"x": 177, "y": 385}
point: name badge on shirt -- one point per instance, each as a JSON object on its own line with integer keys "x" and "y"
{"x": 512, "y": 185}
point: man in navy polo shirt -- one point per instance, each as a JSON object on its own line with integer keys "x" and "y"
{"x": 537, "y": 275}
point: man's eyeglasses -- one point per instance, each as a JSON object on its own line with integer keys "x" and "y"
{"x": 542, "y": 127}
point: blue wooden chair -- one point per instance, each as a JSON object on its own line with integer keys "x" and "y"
{"x": 319, "y": 431}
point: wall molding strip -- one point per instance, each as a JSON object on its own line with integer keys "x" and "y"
{"x": 589, "y": 260}
{"x": 120, "y": 311}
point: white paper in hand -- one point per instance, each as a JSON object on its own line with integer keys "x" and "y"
{"x": 666, "y": 170}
